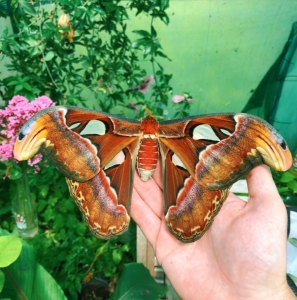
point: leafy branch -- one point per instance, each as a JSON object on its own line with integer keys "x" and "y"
{"x": 80, "y": 54}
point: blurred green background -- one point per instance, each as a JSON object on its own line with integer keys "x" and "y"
{"x": 221, "y": 51}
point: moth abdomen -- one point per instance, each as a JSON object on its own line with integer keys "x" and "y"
{"x": 148, "y": 155}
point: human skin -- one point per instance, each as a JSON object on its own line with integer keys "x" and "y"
{"x": 241, "y": 256}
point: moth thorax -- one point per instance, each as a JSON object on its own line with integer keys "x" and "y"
{"x": 147, "y": 157}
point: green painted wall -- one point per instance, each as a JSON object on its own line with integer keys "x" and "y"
{"x": 221, "y": 50}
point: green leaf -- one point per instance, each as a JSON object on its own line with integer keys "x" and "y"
{"x": 43, "y": 190}
{"x": 142, "y": 32}
{"x": 49, "y": 56}
{"x": 2, "y": 280}
{"x": 27, "y": 86}
{"x": 136, "y": 283}
{"x": 153, "y": 32}
{"x": 15, "y": 172}
{"x": 32, "y": 42}
{"x": 10, "y": 249}
{"x": 159, "y": 53}
{"x": 13, "y": 82}
{"x": 26, "y": 7}
{"x": 164, "y": 4}
{"x": 147, "y": 49}
{"x": 5, "y": 8}
{"x": 293, "y": 185}
{"x": 283, "y": 189}
{"x": 293, "y": 241}
{"x": 125, "y": 248}
{"x": 117, "y": 256}
{"x": 286, "y": 177}
{"x": 18, "y": 88}
{"x": 139, "y": 42}
{"x": 26, "y": 279}
{"x": 99, "y": 10}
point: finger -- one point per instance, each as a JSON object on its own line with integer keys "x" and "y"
{"x": 266, "y": 205}
{"x": 157, "y": 176}
{"x": 145, "y": 217}
{"x": 151, "y": 194}
{"x": 262, "y": 190}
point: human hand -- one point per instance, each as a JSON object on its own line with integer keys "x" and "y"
{"x": 241, "y": 256}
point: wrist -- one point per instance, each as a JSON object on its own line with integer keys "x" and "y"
{"x": 282, "y": 293}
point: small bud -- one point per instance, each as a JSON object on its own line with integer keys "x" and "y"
{"x": 64, "y": 22}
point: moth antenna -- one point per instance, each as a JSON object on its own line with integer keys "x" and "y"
{"x": 150, "y": 113}
{"x": 147, "y": 111}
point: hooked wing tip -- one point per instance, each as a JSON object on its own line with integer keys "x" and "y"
{"x": 26, "y": 148}
{"x": 20, "y": 142}
{"x": 287, "y": 159}
{"x": 28, "y": 142}
{"x": 277, "y": 156}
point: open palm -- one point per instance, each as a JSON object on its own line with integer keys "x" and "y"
{"x": 241, "y": 256}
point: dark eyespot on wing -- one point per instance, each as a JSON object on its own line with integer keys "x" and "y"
{"x": 283, "y": 144}
{"x": 21, "y": 136}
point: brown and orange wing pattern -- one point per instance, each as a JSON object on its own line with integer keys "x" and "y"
{"x": 98, "y": 164}
{"x": 203, "y": 156}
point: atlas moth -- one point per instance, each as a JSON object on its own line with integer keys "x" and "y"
{"x": 202, "y": 156}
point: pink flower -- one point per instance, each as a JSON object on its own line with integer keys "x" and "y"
{"x": 178, "y": 98}
{"x": 147, "y": 82}
{"x": 13, "y": 117}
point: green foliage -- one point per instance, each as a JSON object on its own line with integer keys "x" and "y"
{"x": 286, "y": 183}
{"x": 136, "y": 283}
{"x": 75, "y": 51}
{"x": 25, "y": 278}
{"x": 5, "y": 8}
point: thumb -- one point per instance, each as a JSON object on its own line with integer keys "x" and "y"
{"x": 261, "y": 186}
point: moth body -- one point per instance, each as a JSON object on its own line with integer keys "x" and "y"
{"x": 147, "y": 158}
{"x": 148, "y": 153}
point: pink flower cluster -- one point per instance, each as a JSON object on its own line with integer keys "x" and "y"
{"x": 13, "y": 117}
